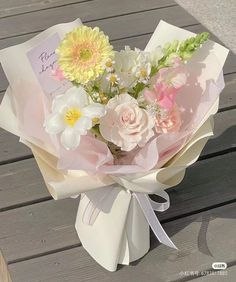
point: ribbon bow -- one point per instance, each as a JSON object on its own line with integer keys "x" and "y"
{"x": 147, "y": 205}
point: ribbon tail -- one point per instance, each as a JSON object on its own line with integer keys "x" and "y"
{"x": 153, "y": 221}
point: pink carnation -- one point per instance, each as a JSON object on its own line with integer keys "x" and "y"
{"x": 171, "y": 122}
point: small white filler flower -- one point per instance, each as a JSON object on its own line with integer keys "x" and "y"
{"x": 72, "y": 115}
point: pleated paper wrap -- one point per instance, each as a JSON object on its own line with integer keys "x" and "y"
{"x": 114, "y": 216}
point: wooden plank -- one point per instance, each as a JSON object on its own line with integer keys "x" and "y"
{"x": 224, "y": 133}
{"x": 87, "y": 11}
{"x": 50, "y": 225}
{"x": 10, "y": 148}
{"x": 198, "y": 237}
{"x": 38, "y": 228}
{"x": 21, "y": 184}
{"x": 140, "y": 41}
{"x": 206, "y": 184}
{"x": 4, "y": 273}
{"x": 14, "y": 7}
{"x": 228, "y": 95}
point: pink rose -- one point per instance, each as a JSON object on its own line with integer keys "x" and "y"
{"x": 168, "y": 122}
{"x": 125, "y": 123}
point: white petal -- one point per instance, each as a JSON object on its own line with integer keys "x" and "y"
{"x": 77, "y": 96}
{"x": 120, "y": 99}
{"x": 54, "y": 124}
{"x": 70, "y": 138}
{"x": 59, "y": 103}
{"x": 83, "y": 124}
{"x": 94, "y": 110}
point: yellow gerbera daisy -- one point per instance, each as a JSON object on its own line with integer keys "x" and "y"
{"x": 82, "y": 54}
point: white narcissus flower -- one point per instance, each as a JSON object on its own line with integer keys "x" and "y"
{"x": 72, "y": 115}
{"x": 125, "y": 123}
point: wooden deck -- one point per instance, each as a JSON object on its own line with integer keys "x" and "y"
{"x": 37, "y": 234}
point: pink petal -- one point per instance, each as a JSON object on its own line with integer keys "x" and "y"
{"x": 166, "y": 101}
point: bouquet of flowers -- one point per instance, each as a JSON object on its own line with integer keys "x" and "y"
{"x": 113, "y": 126}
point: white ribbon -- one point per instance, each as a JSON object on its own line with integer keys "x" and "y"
{"x": 147, "y": 205}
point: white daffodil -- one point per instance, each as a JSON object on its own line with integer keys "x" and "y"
{"x": 72, "y": 115}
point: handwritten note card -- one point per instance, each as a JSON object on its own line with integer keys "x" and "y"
{"x": 43, "y": 60}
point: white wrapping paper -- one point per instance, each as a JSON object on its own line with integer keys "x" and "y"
{"x": 118, "y": 231}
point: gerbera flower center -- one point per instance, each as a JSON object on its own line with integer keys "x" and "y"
{"x": 72, "y": 116}
{"x": 85, "y": 54}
